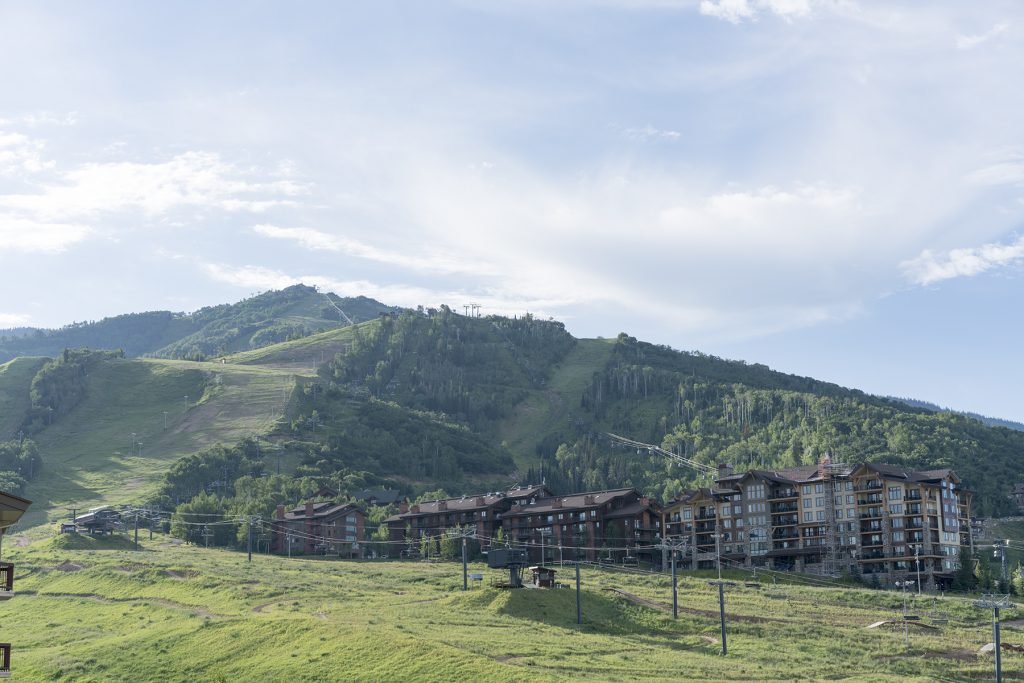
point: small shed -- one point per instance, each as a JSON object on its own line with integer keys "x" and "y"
{"x": 543, "y": 577}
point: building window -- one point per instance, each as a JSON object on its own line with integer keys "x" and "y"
{"x": 895, "y": 509}
{"x": 849, "y": 499}
{"x": 819, "y": 502}
{"x": 687, "y": 513}
{"x": 821, "y": 515}
{"x": 895, "y": 493}
{"x": 807, "y": 489}
{"x": 850, "y": 513}
{"x": 849, "y": 486}
{"x": 819, "y": 487}
{"x": 808, "y": 516}
{"x": 807, "y": 502}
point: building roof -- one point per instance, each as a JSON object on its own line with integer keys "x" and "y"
{"x": 573, "y": 501}
{"x": 466, "y": 503}
{"x": 382, "y": 496}
{"x": 321, "y": 509}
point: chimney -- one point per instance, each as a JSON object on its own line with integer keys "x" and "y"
{"x": 589, "y": 500}
{"x": 279, "y": 512}
{"x": 823, "y": 462}
{"x": 403, "y": 507}
{"x": 309, "y": 508}
{"x": 556, "y": 504}
{"x": 479, "y": 502}
{"x": 442, "y": 505}
{"x": 516, "y": 508}
{"x": 645, "y": 501}
{"x": 724, "y": 469}
{"x": 415, "y": 509}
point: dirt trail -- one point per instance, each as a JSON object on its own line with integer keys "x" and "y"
{"x": 171, "y": 604}
{"x": 662, "y": 607}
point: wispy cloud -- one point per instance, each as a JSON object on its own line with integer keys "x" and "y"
{"x": 968, "y": 42}
{"x": 22, "y": 234}
{"x": 14, "y": 320}
{"x": 929, "y": 268}
{"x": 20, "y": 154}
{"x": 736, "y": 11}
{"x": 317, "y": 240}
{"x": 649, "y": 132}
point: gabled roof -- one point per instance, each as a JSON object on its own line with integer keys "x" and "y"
{"x": 575, "y": 501}
{"x": 321, "y": 509}
{"x": 466, "y": 503}
{"x": 382, "y": 496}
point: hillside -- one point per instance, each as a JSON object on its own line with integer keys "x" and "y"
{"x": 984, "y": 419}
{"x": 93, "y": 610}
{"x": 264, "y": 319}
{"x": 437, "y": 400}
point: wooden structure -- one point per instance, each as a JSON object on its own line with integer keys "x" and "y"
{"x": 543, "y": 577}
{"x": 12, "y": 507}
{"x": 324, "y": 527}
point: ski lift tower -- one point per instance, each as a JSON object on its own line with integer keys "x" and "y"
{"x": 513, "y": 559}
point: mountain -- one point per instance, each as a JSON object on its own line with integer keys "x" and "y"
{"x": 984, "y": 419}
{"x": 428, "y": 400}
{"x": 261, "y": 320}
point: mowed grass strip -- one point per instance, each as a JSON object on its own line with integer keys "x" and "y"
{"x": 92, "y": 610}
{"x": 88, "y": 455}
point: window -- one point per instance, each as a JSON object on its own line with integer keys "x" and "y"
{"x": 849, "y": 486}
{"x": 897, "y": 522}
{"x": 819, "y": 487}
{"x": 849, "y": 499}
{"x": 807, "y": 502}
{"x": 821, "y": 515}
{"x": 838, "y": 501}
{"x": 850, "y": 513}
{"x": 593, "y": 513}
{"x": 583, "y": 516}
{"x": 808, "y": 516}
{"x": 727, "y": 510}
{"x": 807, "y": 489}
{"x": 727, "y": 524}
{"x": 819, "y": 502}
{"x": 895, "y": 509}
{"x": 895, "y": 493}
{"x": 897, "y": 537}
{"x": 687, "y": 513}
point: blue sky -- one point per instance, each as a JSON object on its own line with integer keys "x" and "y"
{"x": 833, "y": 188}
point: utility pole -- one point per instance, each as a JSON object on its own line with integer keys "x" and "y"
{"x": 674, "y": 547}
{"x": 465, "y": 576}
{"x": 165, "y": 419}
{"x": 248, "y": 523}
{"x": 917, "y": 561}
{"x": 994, "y": 602}
{"x": 579, "y": 610}
{"x": 136, "y": 529}
{"x": 721, "y": 609}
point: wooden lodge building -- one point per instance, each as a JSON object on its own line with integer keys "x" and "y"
{"x": 325, "y": 527}
{"x": 869, "y": 520}
{"x": 622, "y": 521}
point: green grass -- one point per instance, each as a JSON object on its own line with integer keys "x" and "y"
{"x": 304, "y": 354}
{"x": 551, "y": 409}
{"x": 90, "y": 610}
{"x": 15, "y": 383}
{"x": 87, "y": 455}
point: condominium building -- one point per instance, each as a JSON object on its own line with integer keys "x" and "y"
{"x": 872, "y": 519}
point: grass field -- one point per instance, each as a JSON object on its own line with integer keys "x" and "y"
{"x": 300, "y": 355}
{"x": 15, "y": 382}
{"x": 88, "y": 458}
{"x": 98, "y": 611}
{"x": 551, "y": 409}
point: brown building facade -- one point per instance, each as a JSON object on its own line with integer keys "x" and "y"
{"x": 318, "y": 528}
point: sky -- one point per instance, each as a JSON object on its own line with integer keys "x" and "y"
{"x": 829, "y": 187}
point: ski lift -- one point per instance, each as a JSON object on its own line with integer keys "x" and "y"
{"x": 753, "y": 582}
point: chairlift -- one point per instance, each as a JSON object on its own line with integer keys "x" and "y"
{"x": 753, "y": 582}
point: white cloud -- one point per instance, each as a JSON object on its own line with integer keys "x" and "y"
{"x": 19, "y": 234}
{"x": 968, "y": 42}
{"x": 20, "y": 154}
{"x": 929, "y": 268}
{"x": 736, "y": 11}
{"x": 317, "y": 240}
{"x": 14, "y": 320}
{"x": 191, "y": 179}
{"x": 649, "y": 132}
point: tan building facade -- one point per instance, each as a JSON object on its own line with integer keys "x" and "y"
{"x": 870, "y": 520}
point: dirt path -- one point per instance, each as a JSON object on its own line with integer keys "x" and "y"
{"x": 170, "y": 604}
{"x": 662, "y": 607}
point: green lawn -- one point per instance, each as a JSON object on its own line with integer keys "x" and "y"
{"x": 88, "y": 457}
{"x": 173, "y": 613}
{"x": 300, "y": 355}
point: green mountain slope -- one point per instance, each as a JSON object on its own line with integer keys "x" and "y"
{"x": 265, "y": 319}
{"x": 15, "y": 384}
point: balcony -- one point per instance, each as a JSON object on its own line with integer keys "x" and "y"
{"x": 915, "y": 523}
{"x": 870, "y": 486}
{"x": 5, "y": 660}
{"x": 790, "y": 520}
{"x": 912, "y": 495}
{"x": 6, "y": 580}
{"x": 784, "y": 507}
{"x": 870, "y": 527}
{"x": 871, "y": 513}
{"x": 870, "y": 499}
{"x": 706, "y": 515}
{"x": 782, "y": 494}
{"x": 776, "y": 535}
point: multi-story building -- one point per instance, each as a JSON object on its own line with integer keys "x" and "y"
{"x": 480, "y": 513}
{"x": 617, "y": 524}
{"x": 870, "y": 520}
{"x": 318, "y": 528}
{"x": 12, "y": 507}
